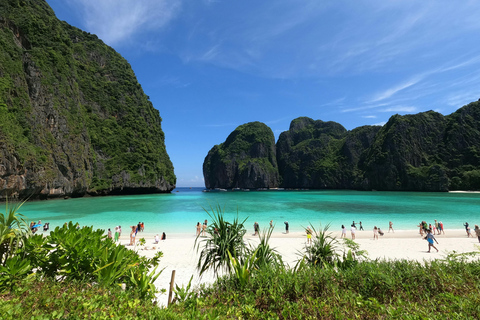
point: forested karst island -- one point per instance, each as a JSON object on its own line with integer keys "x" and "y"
{"x": 419, "y": 152}
{"x": 73, "y": 118}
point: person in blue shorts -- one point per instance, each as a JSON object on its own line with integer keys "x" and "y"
{"x": 430, "y": 238}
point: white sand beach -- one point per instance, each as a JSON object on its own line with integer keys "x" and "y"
{"x": 180, "y": 255}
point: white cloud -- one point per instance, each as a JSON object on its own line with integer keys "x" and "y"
{"x": 117, "y": 21}
{"x": 369, "y": 117}
{"x": 400, "y": 109}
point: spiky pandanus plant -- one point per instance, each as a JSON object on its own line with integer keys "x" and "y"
{"x": 13, "y": 231}
{"x": 322, "y": 251}
{"x": 223, "y": 237}
{"x": 265, "y": 255}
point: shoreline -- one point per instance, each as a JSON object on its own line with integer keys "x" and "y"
{"x": 180, "y": 255}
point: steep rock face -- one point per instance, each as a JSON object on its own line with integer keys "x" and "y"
{"x": 73, "y": 118}
{"x": 406, "y": 154}
{"x": 245, "y": 160}
{"x": 461, "y": 153}
{"x": 308, "y": 154}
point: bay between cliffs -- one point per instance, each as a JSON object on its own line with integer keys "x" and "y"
{"x": 177, "y": 213}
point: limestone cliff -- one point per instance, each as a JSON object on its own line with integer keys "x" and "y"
{"x": 419, "y": 152}
{"x": 245, "y": 160}
{"x": 73, "y": 118}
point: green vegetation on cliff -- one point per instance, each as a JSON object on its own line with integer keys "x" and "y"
{"x": 246, "y": 159}
{"x": 74, "y": 116}
{"x": 418, "y": 152}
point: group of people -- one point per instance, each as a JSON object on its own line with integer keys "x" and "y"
{"x": 118, "y": 233}
{"x": 35, "y": 225}
{"x": 436, "y": 228}
{"x": 201, "y": 228}
{"x": 469, "y": 232}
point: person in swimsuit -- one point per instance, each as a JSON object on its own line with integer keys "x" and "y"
{"x": 430, "y": 238}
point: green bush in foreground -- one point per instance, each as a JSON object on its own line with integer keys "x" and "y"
{"x": 448, "y": 289}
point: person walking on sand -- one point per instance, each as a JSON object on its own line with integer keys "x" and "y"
{"x": 390, "y": 227}
{"x": 109, "y": 234}
{"x": 437, "y": 226}
{"x": 361, "y": 227}
{"x": 477, "y": 232}
{"x": 353, "y": 230}
{"x": 344, "y": 232}
{"x": 430, "y": 238}
{"x": 375, "y": 233}
{"x": 286, "y": 226}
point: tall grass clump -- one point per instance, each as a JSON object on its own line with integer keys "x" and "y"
{"x": 223, "y": 237}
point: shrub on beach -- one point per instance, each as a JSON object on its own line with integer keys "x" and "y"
{"x": 70, "y": 253}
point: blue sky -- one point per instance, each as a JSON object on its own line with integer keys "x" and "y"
{"x": 210, "y": 66}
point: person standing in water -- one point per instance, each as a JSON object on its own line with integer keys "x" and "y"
{"x": 390, "y": 226}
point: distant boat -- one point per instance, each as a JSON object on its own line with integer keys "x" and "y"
{"x": 245, "y": 189}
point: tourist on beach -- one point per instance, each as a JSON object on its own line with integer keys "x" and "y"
{"x": 157, "y": 238}
{"x": 139, "y": 227}
{"x": 255, "y": 228}
{"x": 430, "y": 237}
{"x": 477, "y": 232}
{"x": 116, "y": 235}
{"x": 164, "y": 236}
{"x": 204, "y": 228}
{"x": 390, "y": 227}
{"x": 353, "y": 224}
{"x": 142, "y": 227}
{"x": 361, "y": 227}
{"x": 46, "y": 226}
{"x": 440, "y": 224}
{"x": 467, "y": 229}
{"x": 375, "y": 233}
{"x": 271, "y": 223}
{"x": 198, "y": 228}
{"x": 437, "y": 226}
{"x": 420, "y": 225}
{"x": 352, "y": 230}
{"x": 119, "y": 232}
{"x": 109, "y": 234}
{"x": 309, "y": 235}
{"x": 286, "y": 226}
{"x": 132, "y": 235}
{"x": 380, "y": 232}
{"x": 344, "y": 232}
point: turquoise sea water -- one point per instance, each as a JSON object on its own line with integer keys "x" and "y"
{"x": 179, "y": 211}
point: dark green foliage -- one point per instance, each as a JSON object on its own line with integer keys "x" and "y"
{"x": 419, "y": 152}
{"x": 71, "y": 107}
{"x": 368, "y": 290}
{"x": 70, "y": 254}
{"x": 48, "y": 299}
{"x": 246, "y": 159}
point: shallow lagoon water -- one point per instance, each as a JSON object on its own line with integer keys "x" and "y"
{"x": 178, "y": 212}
